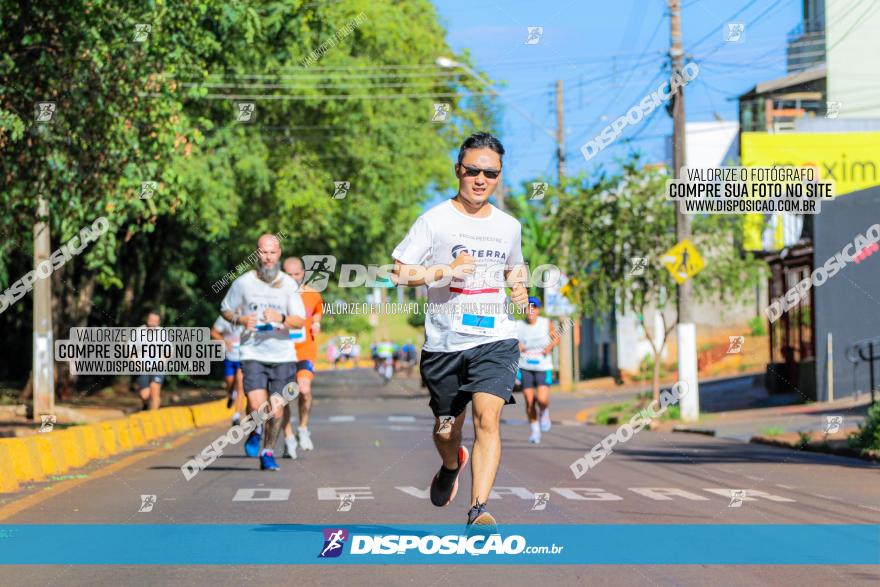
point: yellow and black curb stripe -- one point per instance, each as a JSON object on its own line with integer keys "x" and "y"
{"x": 40, "y": 456}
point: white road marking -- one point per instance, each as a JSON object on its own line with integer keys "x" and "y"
{"x": 825, "y": 496}
{"x": 341, "y": 419}
{"x": 591, "y": 493}
{"x": 401, "y": 418}
{"x": 750, "y": 494}
{"x": 336, "y": 493}
{"x": 663, "y": 493}
{"x": 261, "y": 495}
{"x": 585, "y": 494}
{"x": 520, "y": 492}
{"x": 415, "y": 492}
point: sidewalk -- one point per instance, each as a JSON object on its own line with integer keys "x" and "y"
{"x": 771, "y": 421}
{"x": 736, "y": 408}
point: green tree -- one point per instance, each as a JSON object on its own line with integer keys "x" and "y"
{"x": 610, "y": 220}
{"x": 164, "y": 109}
{"x": 540, "y": 234}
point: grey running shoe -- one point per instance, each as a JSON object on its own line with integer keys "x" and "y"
{"x": 480, "y": 521}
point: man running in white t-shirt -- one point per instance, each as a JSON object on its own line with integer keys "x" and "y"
{"x": 536, "y": 339}
{"x": 266, "y": 303}
{"x": 471, "y": 349}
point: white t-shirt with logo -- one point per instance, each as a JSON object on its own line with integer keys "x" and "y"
{"x": 465, "y": 313}
{"x": 535, "y": 337}
{"x": 249, "y": 294}
{"x": 231, "y": 334}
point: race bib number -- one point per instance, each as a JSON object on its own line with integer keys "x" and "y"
{"x": 533, "y": 357}
{"x": 480, "y": 325}
{"x": 296, "y": 334}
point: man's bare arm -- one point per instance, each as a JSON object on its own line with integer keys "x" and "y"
{"x": 294, "y": 321}
{"x": 413, "y": 275}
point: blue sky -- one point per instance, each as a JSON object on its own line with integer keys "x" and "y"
{"x": 610, "y": 55}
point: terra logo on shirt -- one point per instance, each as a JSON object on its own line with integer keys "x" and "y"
{"x": 479, "y": 254}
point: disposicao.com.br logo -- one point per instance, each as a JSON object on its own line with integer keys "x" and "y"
{"x": 429, "y": 544}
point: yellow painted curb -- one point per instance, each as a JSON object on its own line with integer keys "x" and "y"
{"x": 89, "y": 437}
{"x": 8, "y": 479}
{"x": 123, "y": 435}
{"x": 585, "y": 415}
{"x": 80, "y": 433}
{"x": 51, "y": 454}
{"x": 136, "y": 430}
{"x": 25, "y": 459}
{"x": 147, "y": 423}
{"x": 99, "y": 440}
{"x": 55, "y": 453}
{"x": 74, "y": 451}
{"x": 29, "y": 501}
{"x": 108, "y": 436}
{"x": 158, "y": 424}
{"x": 187, "y": 417}
{"x": 168, "y": 420}
{"x": 200, "y": 415}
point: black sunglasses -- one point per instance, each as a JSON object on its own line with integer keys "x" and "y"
{"x": 475, "y": 171}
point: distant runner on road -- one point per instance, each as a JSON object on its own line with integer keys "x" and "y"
{"x": 471, "y": 347}
{"x": 231, "y": 337}
{"x": 267, "y": 304}
{"x": 150, "y": 384}
{"x": 536, "y": 339}
{"x": 306, "y": 355}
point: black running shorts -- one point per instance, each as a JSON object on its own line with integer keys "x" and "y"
{"x": 270, "y": 376}
{"x": 533, "y": 379}
{"x": 453, "y": 377}
{"x": 145, "y": 379}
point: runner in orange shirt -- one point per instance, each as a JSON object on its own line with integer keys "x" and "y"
{"x": 306, "y": 354}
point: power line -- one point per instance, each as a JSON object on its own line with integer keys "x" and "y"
{"x": 719, "y": 27}
{"x": 239, "y": 97}
{"x": 750, "y": 23}
{"x": 650, "y": 84}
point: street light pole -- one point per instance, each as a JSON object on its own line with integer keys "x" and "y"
{"x": 43, "y": 376}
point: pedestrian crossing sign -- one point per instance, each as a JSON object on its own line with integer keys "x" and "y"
{"x": 683, "y": 261}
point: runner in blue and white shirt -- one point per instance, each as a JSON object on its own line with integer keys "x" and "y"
{"x": 536, "y": 339}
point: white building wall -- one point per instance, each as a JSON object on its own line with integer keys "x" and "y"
{"x": 852, "y": 43}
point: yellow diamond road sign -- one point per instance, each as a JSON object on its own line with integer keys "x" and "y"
{"x": 683, "y": 261}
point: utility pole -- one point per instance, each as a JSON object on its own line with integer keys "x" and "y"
{"x": 567, "y": 356}
{"x": 560, "y": 135}
{"x": 686, "y": 334}
{"x": 43, "y": 351}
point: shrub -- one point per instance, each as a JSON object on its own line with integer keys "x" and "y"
{"x": 868, "y": 436}
{"x": 757, "y": 326}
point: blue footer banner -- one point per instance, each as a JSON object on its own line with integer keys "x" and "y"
{"x": 618, "y": 544}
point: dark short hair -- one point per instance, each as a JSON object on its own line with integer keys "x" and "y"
{"x": 481, "y": 140}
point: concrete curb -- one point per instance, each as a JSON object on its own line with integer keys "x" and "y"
{"x": 817, "y": 447}
{"x": 34, "y": 458}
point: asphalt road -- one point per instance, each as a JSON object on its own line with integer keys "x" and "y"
{"x": 374, "y": 442}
